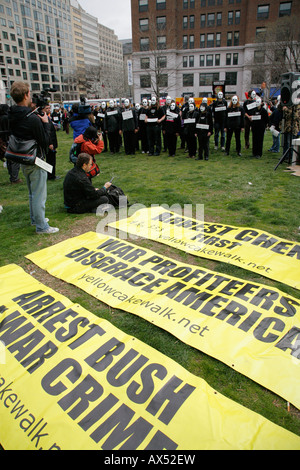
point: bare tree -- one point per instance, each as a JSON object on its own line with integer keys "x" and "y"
{"x": 277, "y": 51}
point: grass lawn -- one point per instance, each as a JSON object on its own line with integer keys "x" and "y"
{"x": 240, "y": 191}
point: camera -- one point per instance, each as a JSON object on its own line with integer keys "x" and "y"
{"x": 84, "y": 107}
{"x": 42, "y": 99}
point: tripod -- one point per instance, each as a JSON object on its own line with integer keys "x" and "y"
{"x": 290, "y": 149}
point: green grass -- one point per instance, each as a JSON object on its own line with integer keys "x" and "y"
{"x": 271, "y": 203}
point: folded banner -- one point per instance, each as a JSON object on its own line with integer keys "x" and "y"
{"x": 252, "y": 328}
{"x": 71, "y": 380}
{"x": 247, "y": 248}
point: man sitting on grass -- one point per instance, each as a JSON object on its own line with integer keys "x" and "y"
{"x": 80, "y": 196}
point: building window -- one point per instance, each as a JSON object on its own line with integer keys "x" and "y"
{"x": 161, "y": 62}
{"x": 210, "y": 40}
{"x": 192, "y": 41}
{"x": 185, "y": 4}
{"x": 160, "y": 4}
{"x": 235, "y": 58}
{"x": 144, "y": 44}
{"x": 210, "y": 19}
{"x": 229, "y": 38}
{"x": 145, "y": 81}
{"x": 217, "y": 60}
{"x": 237, "y": 17}
{"x": 263, "y": 12}
{"x": 260, "y": 32}
{"x": 144, "y": 24}
{"x": 161, "y": 42}
{"x": 188, "y": 79}
{"x": 184, "y": 42}
{"x": 191, "y": 61}
{"x": 201, "y": 60}
{"x": 184, "y": 61}
{"x": 143, "y": 5}
{"x": 207, "y": 79}
{"x": 163, "y": 80}
{"x": 236, "y": 38}
{"x": 145, "y": 63}
{"x": 209, "y": 60}
{"x": 231, "y": 78}
{"x": 259, "y": 57}
{"x": 230, "y": 17}
{"x": 219, "y": 19}
{"x": 285, "y": 9}
{"x": 218, "y": 39}
{"x": 228, "y": 59}
{"x": 202, "y": 40}
{"x": 202, "y": 21}
{"x": 161, "y": 22}
{"x": 184, "y": 22}
{"x": 192, "y": 21}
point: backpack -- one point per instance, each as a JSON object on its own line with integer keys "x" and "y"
{"x": 114, "y": 194}
{"x": 74, "y": 152}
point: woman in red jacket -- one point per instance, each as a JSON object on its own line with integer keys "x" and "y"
{"x": 91, "y": 143}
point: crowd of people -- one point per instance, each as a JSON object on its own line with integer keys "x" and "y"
{"x": 146, "y": 127}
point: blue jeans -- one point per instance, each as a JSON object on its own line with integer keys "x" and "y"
{"x": 36, "y": 179}
{"x": 276, "y": 143}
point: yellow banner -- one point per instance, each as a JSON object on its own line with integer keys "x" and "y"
{"x": 71, "y": 380}
{"x": 252, "y": 328}
{"x": 247, "y": 248}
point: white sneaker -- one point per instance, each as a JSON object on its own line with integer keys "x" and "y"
{"x": 216, "y": 147}
{"x": 50, "y": 230}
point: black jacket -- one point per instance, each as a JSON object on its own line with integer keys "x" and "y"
{"x": 128, "y": 124}
{"x": 204, "y": 119}
{"x": 30, "y": 127}
{"x": 219, "y": 110}
{"x": 78, "y": 187}
{"x": 234, "y": 118}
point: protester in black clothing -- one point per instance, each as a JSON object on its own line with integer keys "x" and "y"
{"x": 80, "y": 196}
{"x": 154, "y": 118}
{"x": 190, "y": 130}
{"x": 112, "y": 127}
{"x": 219, "y": 107}
{"x": 249, "y": 106}
{"x": 13, "y": 168}
{"x": 204, "y": 129}
{"x": 171, "y": 128}
{"x": 259, "y": 121}
{"x": 53, "y": 144}
{"x": 142, "y": 126}
{"x": 129, "y": 127}
{"x": 99, "y": 114}
{"x": 234, "y": 124}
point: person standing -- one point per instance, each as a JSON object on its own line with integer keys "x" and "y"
{"x": 112, "y": 127}
{"x": 249, "y": 107}
{"x": 13, "y": 168}
{"x": 189, "y": 124}
{"x": 53, "y": 144}
{"x": 274, "y": 124}
{"x": 129, "y": 127}
{"x": 28, "y": 125}
{"x": 99, "y": 114}
{"x": 204, "y": 129}
{"x": 171, "y": 128}
{"x": 259, "y": 121}
{"x": 142, "y": 126}
{"x": 234, "y": 124}
{"x": 153, "y": 120}
{"x": 219, "y": 116}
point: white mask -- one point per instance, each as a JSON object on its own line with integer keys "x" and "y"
{"x": 191, "y": 100}
{"x": 144, "y": 102}
{"x": 172, "y": 106}
{"x": 168, "y": 100}
{"x": 191, "y": 107}
{"x": 111, "y": 103}
{"x": 153, "y": 100}
{"x": 204, "y": 100}
{"x": 103, "y": 105}
{"x": 253, "y": 95}
{"x": 126, "y": 103}
{"x": 137, "y": 106}
{"x": 220, "y": 95}
{"x": 258, "y": 101}
{"x": 202, "y": 109}
{"x": 234, "y": 100}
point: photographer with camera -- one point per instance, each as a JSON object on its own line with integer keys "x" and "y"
{"x": 28, "y": 125}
